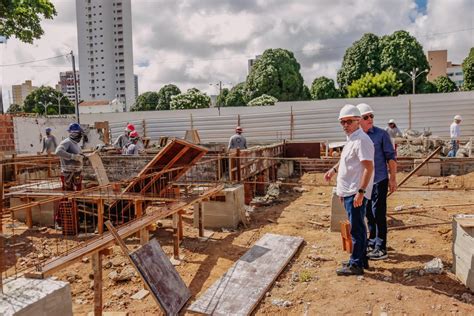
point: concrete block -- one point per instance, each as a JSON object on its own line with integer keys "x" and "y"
{"x": 42, "y": 215}
{"x": 224, "y": 211}
{"x": 430, "y": 169}
{"x": 26, "y": 297}
{"x": 463, "y": 249}
{"x": 338, "y": 212}
{"x": 286, "y": 169}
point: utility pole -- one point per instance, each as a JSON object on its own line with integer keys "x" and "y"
{"x": 219, "y": 85}
{"x": 75, "y": 86}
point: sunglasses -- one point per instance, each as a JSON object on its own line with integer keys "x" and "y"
{"x": 346, "y": 122}
{"x": 366, "y": 117}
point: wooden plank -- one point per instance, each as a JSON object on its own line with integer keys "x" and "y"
{"x": 97, "y": 269}
{"x": 240, "y": 289}
{"x": 98, "y": 166}
{"x": 161, "y": 277}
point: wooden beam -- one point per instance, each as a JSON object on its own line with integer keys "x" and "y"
{"x": 200, "y": 224}
{"x": 175, "y": 237}
{"x": 100, "y": 216}
{"x": 29, "y": 215}
{"x": 97, "y": 269}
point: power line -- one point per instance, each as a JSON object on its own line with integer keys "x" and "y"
{"x": 33, "y": 61}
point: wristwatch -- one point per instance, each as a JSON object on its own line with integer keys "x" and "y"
{"x": 362, "y": 191}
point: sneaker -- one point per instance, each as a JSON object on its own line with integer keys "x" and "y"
{"x": 370, "y": 248}
{"x": 346, "y": 264}
{"x": 377, "y": 254}
{"x": 350, "y": 270}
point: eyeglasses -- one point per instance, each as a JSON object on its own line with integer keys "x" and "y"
{"x": 366, "y": 117}
{"x": 346, "y": 122}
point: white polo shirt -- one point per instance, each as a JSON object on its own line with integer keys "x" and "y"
{"x": 359, "y": 147}
{"x": 455, "y": 130}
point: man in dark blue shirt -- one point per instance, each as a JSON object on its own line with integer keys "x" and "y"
{"x": 384, "y": 163}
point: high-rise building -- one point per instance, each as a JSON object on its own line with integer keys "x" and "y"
{"x": 251, "y": 62}
{"x": 135, "y": 80}
{"x": 440, "y": 66}
{"x": 20, "y": 91}
{"x": 104, "y": 32}
{"x": 66, "y": 85}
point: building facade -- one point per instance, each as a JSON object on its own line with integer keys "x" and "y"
{"x": 440, "y": 66}
{"x": 454, "y": 72}
{"x": 104, "y": 32}
{"x": 66, "y": 85}
{"x": 100, "y": 106}
{"x": 20, "y": 91}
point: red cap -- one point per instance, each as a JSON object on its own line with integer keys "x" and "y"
{"x": 238, "y": 129}
{"x": 133, "y": 134}
{"x": 130, "y": 127}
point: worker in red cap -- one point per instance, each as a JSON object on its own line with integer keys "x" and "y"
{"x": 237, "y": 141}
{"x": 123, "y": 139}
{"x": 132, "y": 148}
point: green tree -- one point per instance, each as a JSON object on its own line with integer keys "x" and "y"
{"x": 147, "y": 101}
{"x": 306, "y": 93}
{"x": 192, "y": 99}
{"x": 468, "y": 71}
{"x": 44, "y": 96}
{"x": 361, "y": 58}
{"x": 427, "y": 87}
{"x": 236, "y": 95}
{"x": 276, "y": 73}
{"x": 383, "y": 84}
{"x": 164, "y": 96}
{"x": 222, "y": 97}
{"x": 444, "y": 84}
{"x": 22, "y": 18}
{"x": 401, "y": 51}
{"x": 262, "y": 100}
{"x": 324, "y": 88}
{"x": 15, "y": 108}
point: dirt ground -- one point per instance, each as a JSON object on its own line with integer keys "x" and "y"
{"x": 309, "y": 282}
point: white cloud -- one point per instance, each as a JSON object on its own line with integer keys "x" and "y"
{"x": 197, "y": 42}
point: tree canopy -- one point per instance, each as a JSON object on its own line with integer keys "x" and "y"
{"x": 221, "y": 98}
{"x": 15, "y": 108}
{"x": 323, "y": 88}
{"x": 276, "y": 73}
{"x": 236, "y": 95}
{"x": 262, "y": 100}
{"x": 165, "y": 94}
{"x": 468, "y": 71}
{"x": 147, "y": 101}
{"x": 361, "y": 58}
{"x": 444, "y": 84}
{"x": 22, "y": 19}
{"x": 383, "y": 84}
{"x": 47, "y": 97}
{"x": 192, "y": 99}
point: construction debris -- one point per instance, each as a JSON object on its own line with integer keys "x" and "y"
{"x": 434, "y": 266}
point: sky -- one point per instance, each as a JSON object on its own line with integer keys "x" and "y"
{"x": 196, "y": 43}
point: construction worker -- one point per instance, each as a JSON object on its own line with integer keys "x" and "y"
{"x": 71, "y": 158}
{"x": 384, "y": 162}
{"x": 354, "y": 185}
{"x": 455, "y": 132}
{"x": 237, "y": 141}
{"x": 393, "y": 131}
{"x": 132, "y": 148}
{"x": 122, "y": 140}
{"x": 49, "y": 142}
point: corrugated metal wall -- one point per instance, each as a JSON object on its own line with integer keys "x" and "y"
{"x": 313, "y": 120}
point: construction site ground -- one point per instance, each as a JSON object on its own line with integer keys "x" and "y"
{"x": 309, "y": 284}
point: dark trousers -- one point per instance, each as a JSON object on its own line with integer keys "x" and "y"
{"x": 356, "y": 217}
{"x": 377, "y": 216}
{"x": 71, "y": 180}
{"x": 454, "y": 148}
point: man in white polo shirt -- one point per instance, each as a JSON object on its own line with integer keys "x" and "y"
{"x": 355, "y": 177}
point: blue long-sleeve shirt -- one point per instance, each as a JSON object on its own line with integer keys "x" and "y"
{"x": 384, "y": 152}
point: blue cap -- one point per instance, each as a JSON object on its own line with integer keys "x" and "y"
{"x": 48, "y": 129}
{"x": 74, "y": 127}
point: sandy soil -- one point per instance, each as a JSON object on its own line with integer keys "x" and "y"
{"x": 388, "y": 286}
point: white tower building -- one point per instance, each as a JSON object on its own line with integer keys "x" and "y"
{"x": 104, "y": 33}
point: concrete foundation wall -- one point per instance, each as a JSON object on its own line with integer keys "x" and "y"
{"x": 32, "y": 297}
{"x": 457, "y": 166}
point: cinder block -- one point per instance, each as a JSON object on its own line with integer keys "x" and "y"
{"x": 286, "y": 169}
{"x": 26, "y": 297}
{"x": 224, "y": 211}
{"x": 338, "y": 213}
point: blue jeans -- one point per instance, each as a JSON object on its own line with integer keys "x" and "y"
{"x": 454, "y": 148}
{"x": 377, "y": 216}
{"x": 356, "y": 217}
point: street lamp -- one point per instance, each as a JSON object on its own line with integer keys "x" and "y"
{"x": 45, "y": 105}
{"x": 219, "y": 86}
{"x": 413, "y": 75}
{"x": 58, "y": 98}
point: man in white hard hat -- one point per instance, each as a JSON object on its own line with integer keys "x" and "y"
{"x": 354, "y": 185}
{"x": 455, "y": 131}
{"x": 393, "y": 131}
{"x": 385, "y": 170}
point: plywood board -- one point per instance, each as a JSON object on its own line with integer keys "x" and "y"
{"x": 240, "y": 289}
{"x": 98, "y": 166}
{"x": 161, "y": 277}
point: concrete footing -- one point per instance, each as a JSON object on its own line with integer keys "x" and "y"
{"x": 338, "y": 213}
{"x": 26, "y": 297}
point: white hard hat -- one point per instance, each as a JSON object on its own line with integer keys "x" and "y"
{"x": 391, "y": 121}
{"x": 349, "y": 110}
{"x": 458, "y": 117}
{"x": 364, "y": 108}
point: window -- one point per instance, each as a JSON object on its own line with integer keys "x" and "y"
{"x": 449, "y": 74}
{"x": 458, "y": 73}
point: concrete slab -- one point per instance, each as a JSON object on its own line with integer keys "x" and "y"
{"x": 338, "y": 213}
{"x": 26, "y": 297}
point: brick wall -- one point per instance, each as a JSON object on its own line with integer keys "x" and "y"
{"x": 7, "y": 136}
